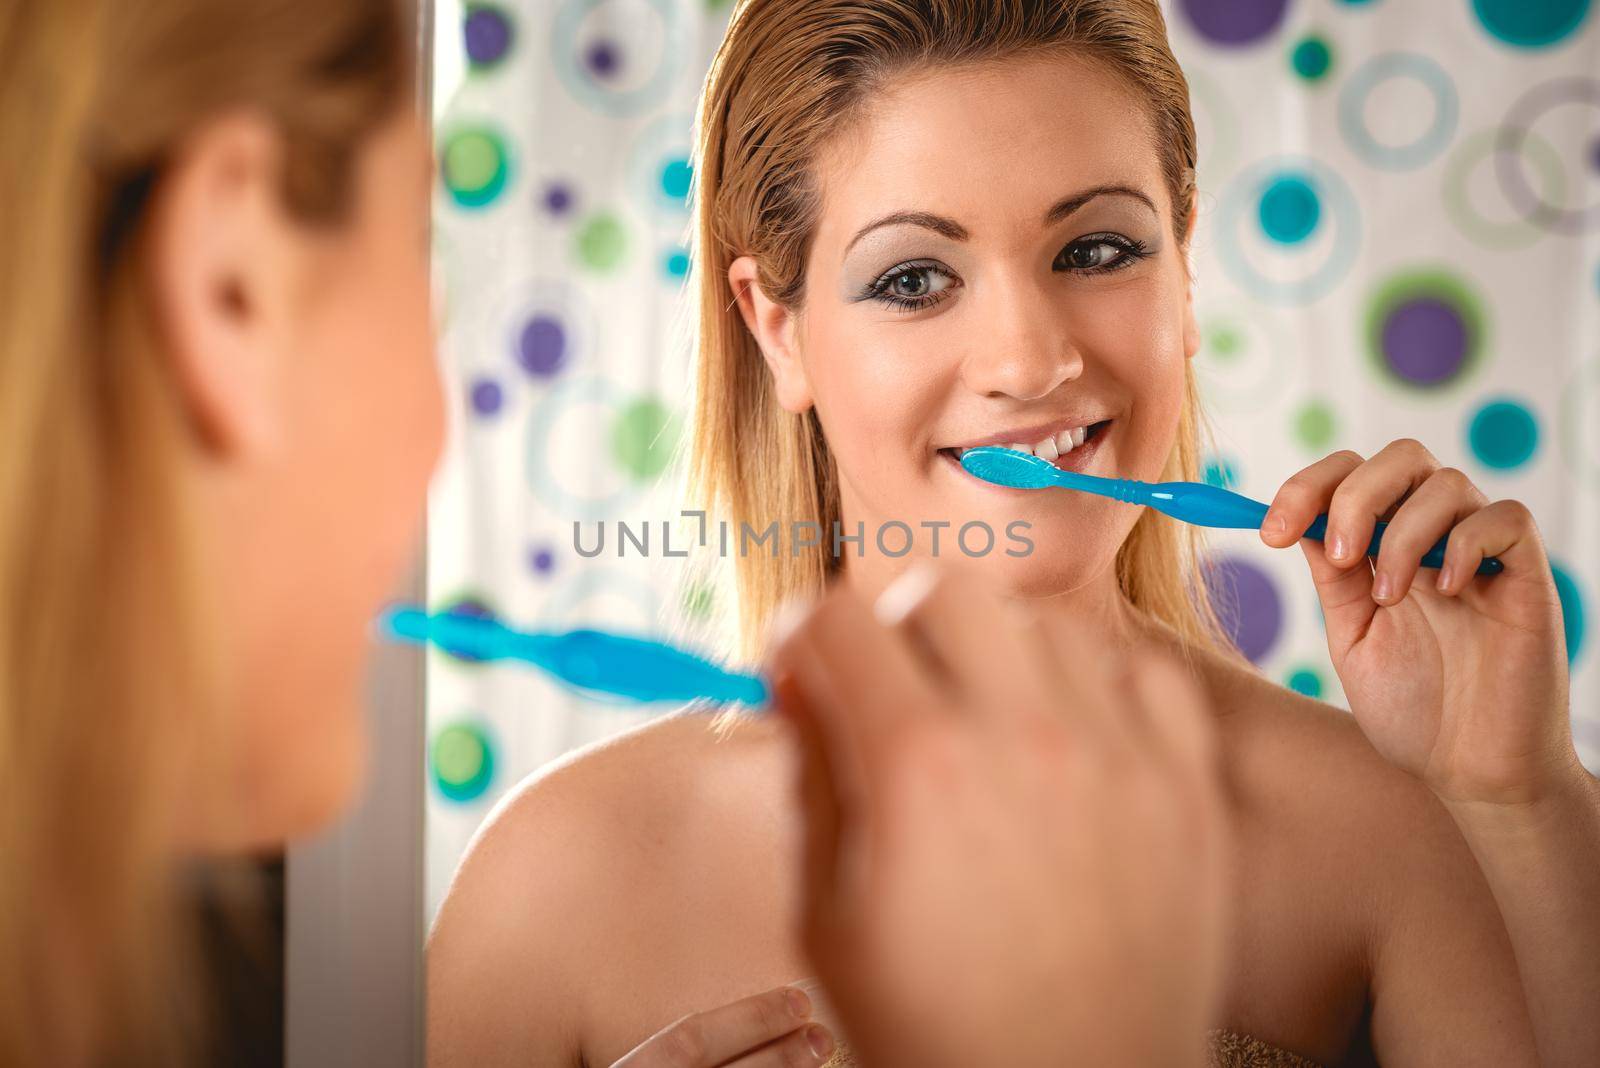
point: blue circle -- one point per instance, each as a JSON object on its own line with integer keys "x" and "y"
{"x": 1573, "y": 621}
{"x": 1221, "y": 471}
{"x": 1376, "y": 71}
{"x": 486, "y": 33}
{"x": 1530, "y": 23}
{"x": 676, "y": 264}
{"x": 585, "y": 74}
{"x": 1305, "y": 681}
{"x": 1289, "y": 209}
{"x": 676, "y": 177}
{"x": 1335, "y": 201}
{"x": 1503, "y": 434}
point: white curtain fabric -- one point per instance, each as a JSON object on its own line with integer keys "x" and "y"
{"x": 1399, "y": 237}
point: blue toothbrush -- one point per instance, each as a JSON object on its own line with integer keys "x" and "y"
{"x": 637, "y": 669}
{"x": 1192, "y": 502}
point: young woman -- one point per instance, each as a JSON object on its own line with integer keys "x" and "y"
{"x": 218, "y": 412}
{"x": 926, "y": 225}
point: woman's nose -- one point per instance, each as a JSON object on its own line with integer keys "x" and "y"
{"x": 1025, "y": 352}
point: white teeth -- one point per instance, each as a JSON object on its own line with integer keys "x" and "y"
{"x": 1078, "y": 434}
{"x": 1014, "y": 447}
{"x": 1063, "y": 443}
{"x": 1046, "y": 449}
{"x": 1052, "y": 448}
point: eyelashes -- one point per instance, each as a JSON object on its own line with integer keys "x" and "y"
{"x": 1085, "y": 256}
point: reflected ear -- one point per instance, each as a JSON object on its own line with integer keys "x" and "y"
{"x": 776, "y": 330}
{"x": 223, "y": 252}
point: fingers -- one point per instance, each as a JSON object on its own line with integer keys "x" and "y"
{"x": 972, "y": 645}
{"x": 811, "y": 1045}
{"x": 1304, "y": 497}
{"x": 1442, "y": 500}
{"x": 713, "y": 1037}
{"x": 1505, "y": 529}
{"x": 824, "y": 809}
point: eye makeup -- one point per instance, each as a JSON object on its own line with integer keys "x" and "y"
{"x": 913, "y": 285}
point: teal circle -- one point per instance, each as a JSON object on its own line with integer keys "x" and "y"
{"x": 1305, "y": 681}
{"x": 1221, "y": 471}
{"x": 1311, "y": 58}
{"x": 461, "y": 759}
{"x": 1376, "y": 71}
{"x": 1289, "y": 209}
{"x": 676, "y": 177}
{"x": 1572, "y": 611}
{"x": 474, "y": 165}
{"x": 676, "y": 264}
{"x": 1530, "y": 23}
{"x": 1503, "y": 434}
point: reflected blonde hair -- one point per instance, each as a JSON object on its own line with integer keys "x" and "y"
{"x": 789, "y": 76}
{"x": 105, "y": 681}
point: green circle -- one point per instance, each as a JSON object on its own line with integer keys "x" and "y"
{"x": 462, "y": 759}
{"x": 1306, "y": 681}
{"x": 1311, "y": 58}
{"x": 1439, "y": 284}
{"x": 1500, "y": 234}
{"x": 643, "y": 438}
{"x": 474, "y": 166}
{"x": 1314, "y": 425}
{"x": 1503, "y": 434}
{"x": 1224, "y": 341}
{"x": 699, "y": 598}
{"x": 602, "y": 241}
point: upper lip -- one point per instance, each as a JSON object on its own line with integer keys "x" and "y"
{"x": 1029, "y": 435}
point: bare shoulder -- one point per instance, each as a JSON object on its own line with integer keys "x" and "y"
{"x": 586, "y": 872}
{"x": 1348, "y": 856}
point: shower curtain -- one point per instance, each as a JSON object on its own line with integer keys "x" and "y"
{"x": 1399, "y": 236}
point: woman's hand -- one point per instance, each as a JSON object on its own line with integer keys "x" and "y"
{"x": 767, "y": 1030}
{"x": 1458, "y": 679}
{"x": 1014, "y": 836}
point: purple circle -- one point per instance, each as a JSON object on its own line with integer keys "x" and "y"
{"x": 487, "y": 396}
{"x": 1247, "y": 604}
{"x": 557, "y": 198}
{"x": 603, "y": 58}
{"x": 1425, "y": 341}
{"x": 1231, "y": 23}
{"x": 472, "y": 608}
{"x": 488, "y": 35}
{"x": 542, "y": 347}
{"x": 543, "y": 560}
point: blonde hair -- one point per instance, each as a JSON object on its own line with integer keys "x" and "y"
{"x": 105, "y": 683}
{"x": 787, "y": 77}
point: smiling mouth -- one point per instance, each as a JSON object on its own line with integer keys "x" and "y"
{"x": 1081, "y": 445}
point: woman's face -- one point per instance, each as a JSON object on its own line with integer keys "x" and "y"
{"x": 994, "y": 264}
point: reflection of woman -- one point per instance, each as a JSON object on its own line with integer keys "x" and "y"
{"x": 218, "y": 409}
{"x": 929, "y": 225}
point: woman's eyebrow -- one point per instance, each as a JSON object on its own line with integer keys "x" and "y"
{"x": 947, "y": 227}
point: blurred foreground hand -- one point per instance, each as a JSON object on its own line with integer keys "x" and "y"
{"x": 1015, "y": 847}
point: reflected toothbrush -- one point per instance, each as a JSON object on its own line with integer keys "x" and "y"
{"x": 1198, "y": 503}
{"x": 597, "y": 662}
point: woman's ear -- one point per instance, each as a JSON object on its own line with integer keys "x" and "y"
{"x": 223, "y": 257}
{"x": 1191, "y": 325}
{"x": 776, "y": 330}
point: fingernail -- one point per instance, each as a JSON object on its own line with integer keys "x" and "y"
{"x": 1382, "y": 587}
{"x": 799, "y": 1004}
{"x": 1275, "y": 524}
{"x": 820, "y": 1041}
{"x": 1444, "y": 578}
{"x": 1338, "y": 548}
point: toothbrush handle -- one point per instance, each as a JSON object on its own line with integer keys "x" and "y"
{"x": 1434, "y": 557}
{"x": 1212, "y": 506}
